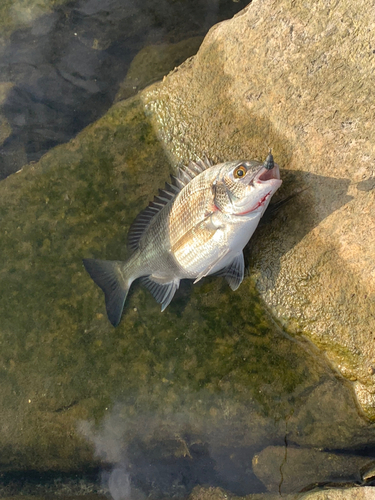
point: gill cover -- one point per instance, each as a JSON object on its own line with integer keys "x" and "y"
{"x": 230, "y": 188}
{"x": 222, "y": 195}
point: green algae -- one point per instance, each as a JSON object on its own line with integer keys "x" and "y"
{"x": 214, "y": 356}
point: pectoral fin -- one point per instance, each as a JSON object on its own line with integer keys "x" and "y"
{"x": 234, "y": 273}
{"x": 208, "y": 269}
{"x": 195, "y": 237}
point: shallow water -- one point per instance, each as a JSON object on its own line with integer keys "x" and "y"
{"x": 60, "y": 68}
{"x": 211, "y": 392}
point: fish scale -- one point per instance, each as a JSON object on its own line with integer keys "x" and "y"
{"x": 197, "y": 226}
{"x": 188, "y": 235}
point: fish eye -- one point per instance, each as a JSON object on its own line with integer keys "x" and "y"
{"x": 239, "y": 172}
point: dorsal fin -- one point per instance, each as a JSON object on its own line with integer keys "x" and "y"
{"x": 168, "y": 194}
{"x": 192, "y": 169}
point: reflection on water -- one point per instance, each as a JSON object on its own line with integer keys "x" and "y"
{"x": 210, "y": 392}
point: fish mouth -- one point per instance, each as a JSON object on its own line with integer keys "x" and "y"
{"x": 270, "y": 179}
{"x": 265, "y": 175}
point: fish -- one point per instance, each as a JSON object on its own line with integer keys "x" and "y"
{"x": 197, "y": 226}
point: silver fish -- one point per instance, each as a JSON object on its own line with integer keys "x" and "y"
{"x": 197, "y": 226}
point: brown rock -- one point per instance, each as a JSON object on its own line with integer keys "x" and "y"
{"x": 297, "y": 78}
{"x": 366, "y": 493}
{"x": 205, "y": 493}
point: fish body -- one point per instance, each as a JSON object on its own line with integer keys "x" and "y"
{"x": 197, "y": 226}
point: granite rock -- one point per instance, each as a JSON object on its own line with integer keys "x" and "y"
{"x": 212, "y": 376}
{"x": 297, "y": 77}
{"x": 365, "y": 493}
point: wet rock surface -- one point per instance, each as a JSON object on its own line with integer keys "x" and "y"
{"x": 18, "y": 14}
{"x": 35, "y": 485}
{"x": 366, "y": 493}
{"x": 354, "y": 493}
{"x": 247, "y": 90}
{"x": 204, "y": 493}
{"x": 154, "y": 62}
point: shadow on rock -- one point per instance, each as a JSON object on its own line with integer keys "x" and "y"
{"x": 302, "y": 203}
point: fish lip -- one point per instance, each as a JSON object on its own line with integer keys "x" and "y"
{"x": 258, "y": 204}
{"x": 272, "y": 179}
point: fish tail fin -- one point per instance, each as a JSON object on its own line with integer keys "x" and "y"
{"x": 110, "y": 276}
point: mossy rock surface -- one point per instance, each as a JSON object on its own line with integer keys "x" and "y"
{"x": 213, "y": 368}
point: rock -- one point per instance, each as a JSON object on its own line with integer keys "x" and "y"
{"x": 5, "y": 129}
{"x": 366, "y": 493}
{"x": 311, "y": 422}
{"x": 14, "y": 156}
{"x": 204, "y": 493}
{"x": 290, "y": 470}
{"x": 177, "y": 397}
{"x": 17, "y": 15}
{"x": 368, "y": 475}
{"x": 153, "y": 62}
{"x": 282, "y": 75}
{"x": 61, "y": 359}
{"x": 31, "y": 486}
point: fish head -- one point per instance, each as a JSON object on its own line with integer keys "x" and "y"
{"x": 245, "y": 187}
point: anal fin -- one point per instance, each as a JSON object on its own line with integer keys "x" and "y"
{"x": 162, "y": 293}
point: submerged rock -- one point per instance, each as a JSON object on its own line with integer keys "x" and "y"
{"x": 16, "y": 14}
{"x": 290, "y": 470}
{"x": 5, "y": 129}
{"x": 66, "y": 59}
{"x": 153, "y": 62}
